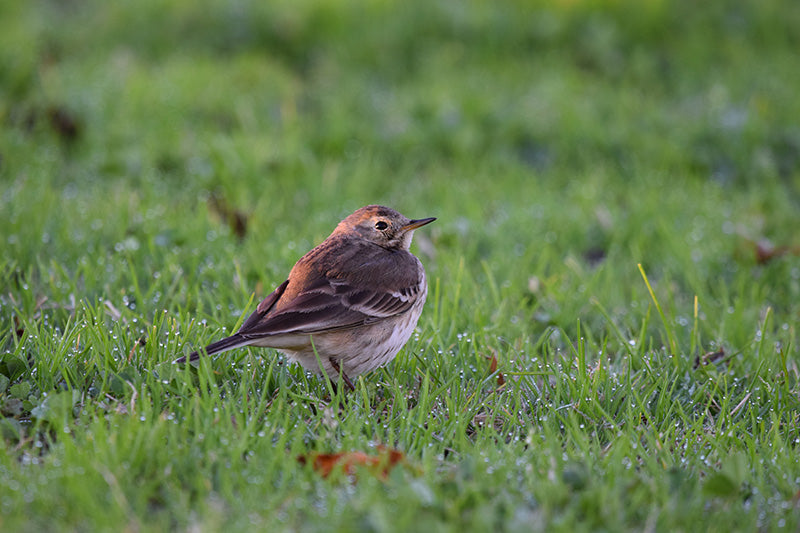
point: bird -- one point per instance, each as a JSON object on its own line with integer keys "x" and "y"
{"x": 348, "y": 306}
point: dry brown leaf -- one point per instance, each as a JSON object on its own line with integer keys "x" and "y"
{"x": 236, "y": 219}
{"x": 501, "y": 380}
{"x": 380, "y": 464}
{"x": 137, "y": 344}
{"x": 708, "y": 358}
{"x": 19, "y": 329}
{"x": 64, "y": 122}
{"x": 766, "y": 251}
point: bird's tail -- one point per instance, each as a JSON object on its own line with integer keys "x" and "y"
{"x": 228, "y": 343}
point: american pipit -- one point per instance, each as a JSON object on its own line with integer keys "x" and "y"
{"x": 349, "y": 304}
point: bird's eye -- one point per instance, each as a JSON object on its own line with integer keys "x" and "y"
{"x": 381, "y": 225}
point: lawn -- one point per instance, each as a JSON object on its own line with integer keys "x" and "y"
{"x": 610, "y": 337}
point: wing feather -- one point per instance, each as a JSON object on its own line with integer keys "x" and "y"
{"x": 313, "y": 302}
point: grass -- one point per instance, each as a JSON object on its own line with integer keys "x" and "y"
{"x": 617, "y": 193}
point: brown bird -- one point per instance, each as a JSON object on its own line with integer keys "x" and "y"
{"x": 349, "y": 304}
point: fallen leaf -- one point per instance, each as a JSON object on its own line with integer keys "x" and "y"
{"x": 766, "y": 251}
{"x": 235, "y": 219}
{"x": 501, "y": 380}
{"x": 594, "y": 255}
{"x": 60, "y": 119}
{"x": 64, "y": 122}
{"x": 19, "y": 329}
{"x": 379, "y": 464}
{"x": 708, "y": 358}
{"x": 137, "y": 344}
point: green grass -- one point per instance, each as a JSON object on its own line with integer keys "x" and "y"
{"x": 602, "y": 174}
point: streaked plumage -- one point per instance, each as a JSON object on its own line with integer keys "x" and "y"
{"x": 355, "y": 298}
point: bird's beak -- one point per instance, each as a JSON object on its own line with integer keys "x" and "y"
{"x": 414, "y": 224}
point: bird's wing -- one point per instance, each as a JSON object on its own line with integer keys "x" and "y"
{"x": 264, "y": 307}
{"x": 324, "y": 302}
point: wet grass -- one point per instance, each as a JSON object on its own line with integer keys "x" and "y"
{"x": 617, "y": 196}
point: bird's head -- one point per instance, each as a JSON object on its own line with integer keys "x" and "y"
{"x": 382, "y": 226}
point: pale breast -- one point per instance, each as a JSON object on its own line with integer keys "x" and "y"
{"x": 364, "y": 348}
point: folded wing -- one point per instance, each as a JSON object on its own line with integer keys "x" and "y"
{"x": 327, "y": 303}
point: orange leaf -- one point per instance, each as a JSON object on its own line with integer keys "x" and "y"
{"x": 379, "y": 464}
{"x": 501, "y": 380}
{"x": 766, "y": 251}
